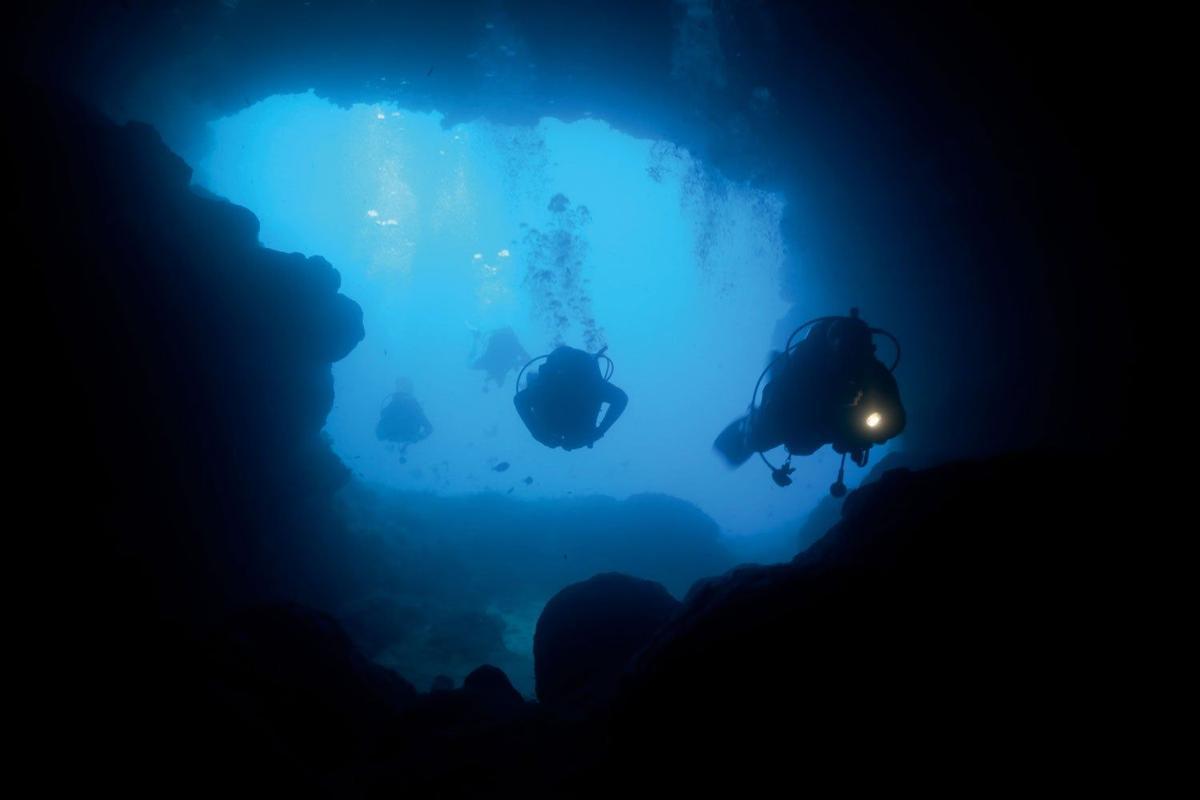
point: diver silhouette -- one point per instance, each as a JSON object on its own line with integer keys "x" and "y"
{"x": 501, "y": 354}
{"x": 402, "y": 421}
{"x": 561, "y": 400}
{"x": 827, "y": 388}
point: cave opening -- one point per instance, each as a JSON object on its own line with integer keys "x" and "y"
{"x": 278, "y": 598}
{"x": 569, "y": 233}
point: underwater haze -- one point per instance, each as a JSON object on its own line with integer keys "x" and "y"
{"x": 564, "y": 233}
{"x": 569, "y": 233}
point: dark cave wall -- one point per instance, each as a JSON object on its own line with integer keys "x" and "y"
{"x": 957, "y": 622}
{"x": 171, "y": 378}
{"x": 181, "y": 374}
{"x": 948, "y": 167}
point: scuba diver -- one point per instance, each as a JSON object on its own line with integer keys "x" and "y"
{"x": 402, "y": 420}
{"x": 501, "y": 355}
{"x": 561, "y": 400}
{"x": 827, "y": 388}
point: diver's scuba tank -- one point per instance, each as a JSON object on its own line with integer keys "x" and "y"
{"x": 598, "y": 355}
{"x": 556, "y": 408}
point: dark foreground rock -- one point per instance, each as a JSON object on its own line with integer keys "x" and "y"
{"x": 956, "y": 626}
{"x": 493, "y": 687}
{"x": 181, "y": 367}
{"x": 959, "y": 623}
{"x": 275, "y": 698}
{"x": 588, "y": 633}
{"x": 302, "y": 676}
{"x": 950, "y": 614}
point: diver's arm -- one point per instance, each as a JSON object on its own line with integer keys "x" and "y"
{"x": 617, "y": 400}
{"x": 525, "y": 410}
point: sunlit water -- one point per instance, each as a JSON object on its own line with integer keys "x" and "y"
{"x": 440, "y": 234}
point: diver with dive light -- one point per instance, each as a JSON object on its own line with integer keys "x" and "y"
{"x": 826, "y": 388}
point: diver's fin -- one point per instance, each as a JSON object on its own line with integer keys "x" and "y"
{"x": 733, "y": 444}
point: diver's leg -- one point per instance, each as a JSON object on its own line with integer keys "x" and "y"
{"x": 763, "y": 430}
{"x": 738, "y": 441}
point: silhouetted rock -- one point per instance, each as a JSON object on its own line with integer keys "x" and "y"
{"x": 492, "y": 685}
{"x": 379, "y": 620}
{"x": 185, "y": 367}
{"x": 485, "y": 699}
{"x": 588, "y": 632}
{"x": 948, "y": 609}
{"x": 274, "y": 698}
{"x": 183, "y": 370}
{"x": 307, "y": 683}
{"x": 511, "y": 554}
{"x": 481, "y": 741}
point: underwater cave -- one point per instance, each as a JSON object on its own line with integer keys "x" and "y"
{"x": 445, "y": 234}
{"x": 293, "y": 260}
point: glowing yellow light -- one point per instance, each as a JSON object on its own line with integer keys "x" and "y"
{"x": 873, "y": 419}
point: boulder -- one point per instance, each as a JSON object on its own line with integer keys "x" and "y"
{"x": 588, "y": 633}
{"x": 492, "y": 686}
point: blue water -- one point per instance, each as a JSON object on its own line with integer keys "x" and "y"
{"x": 434, "y": 231}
